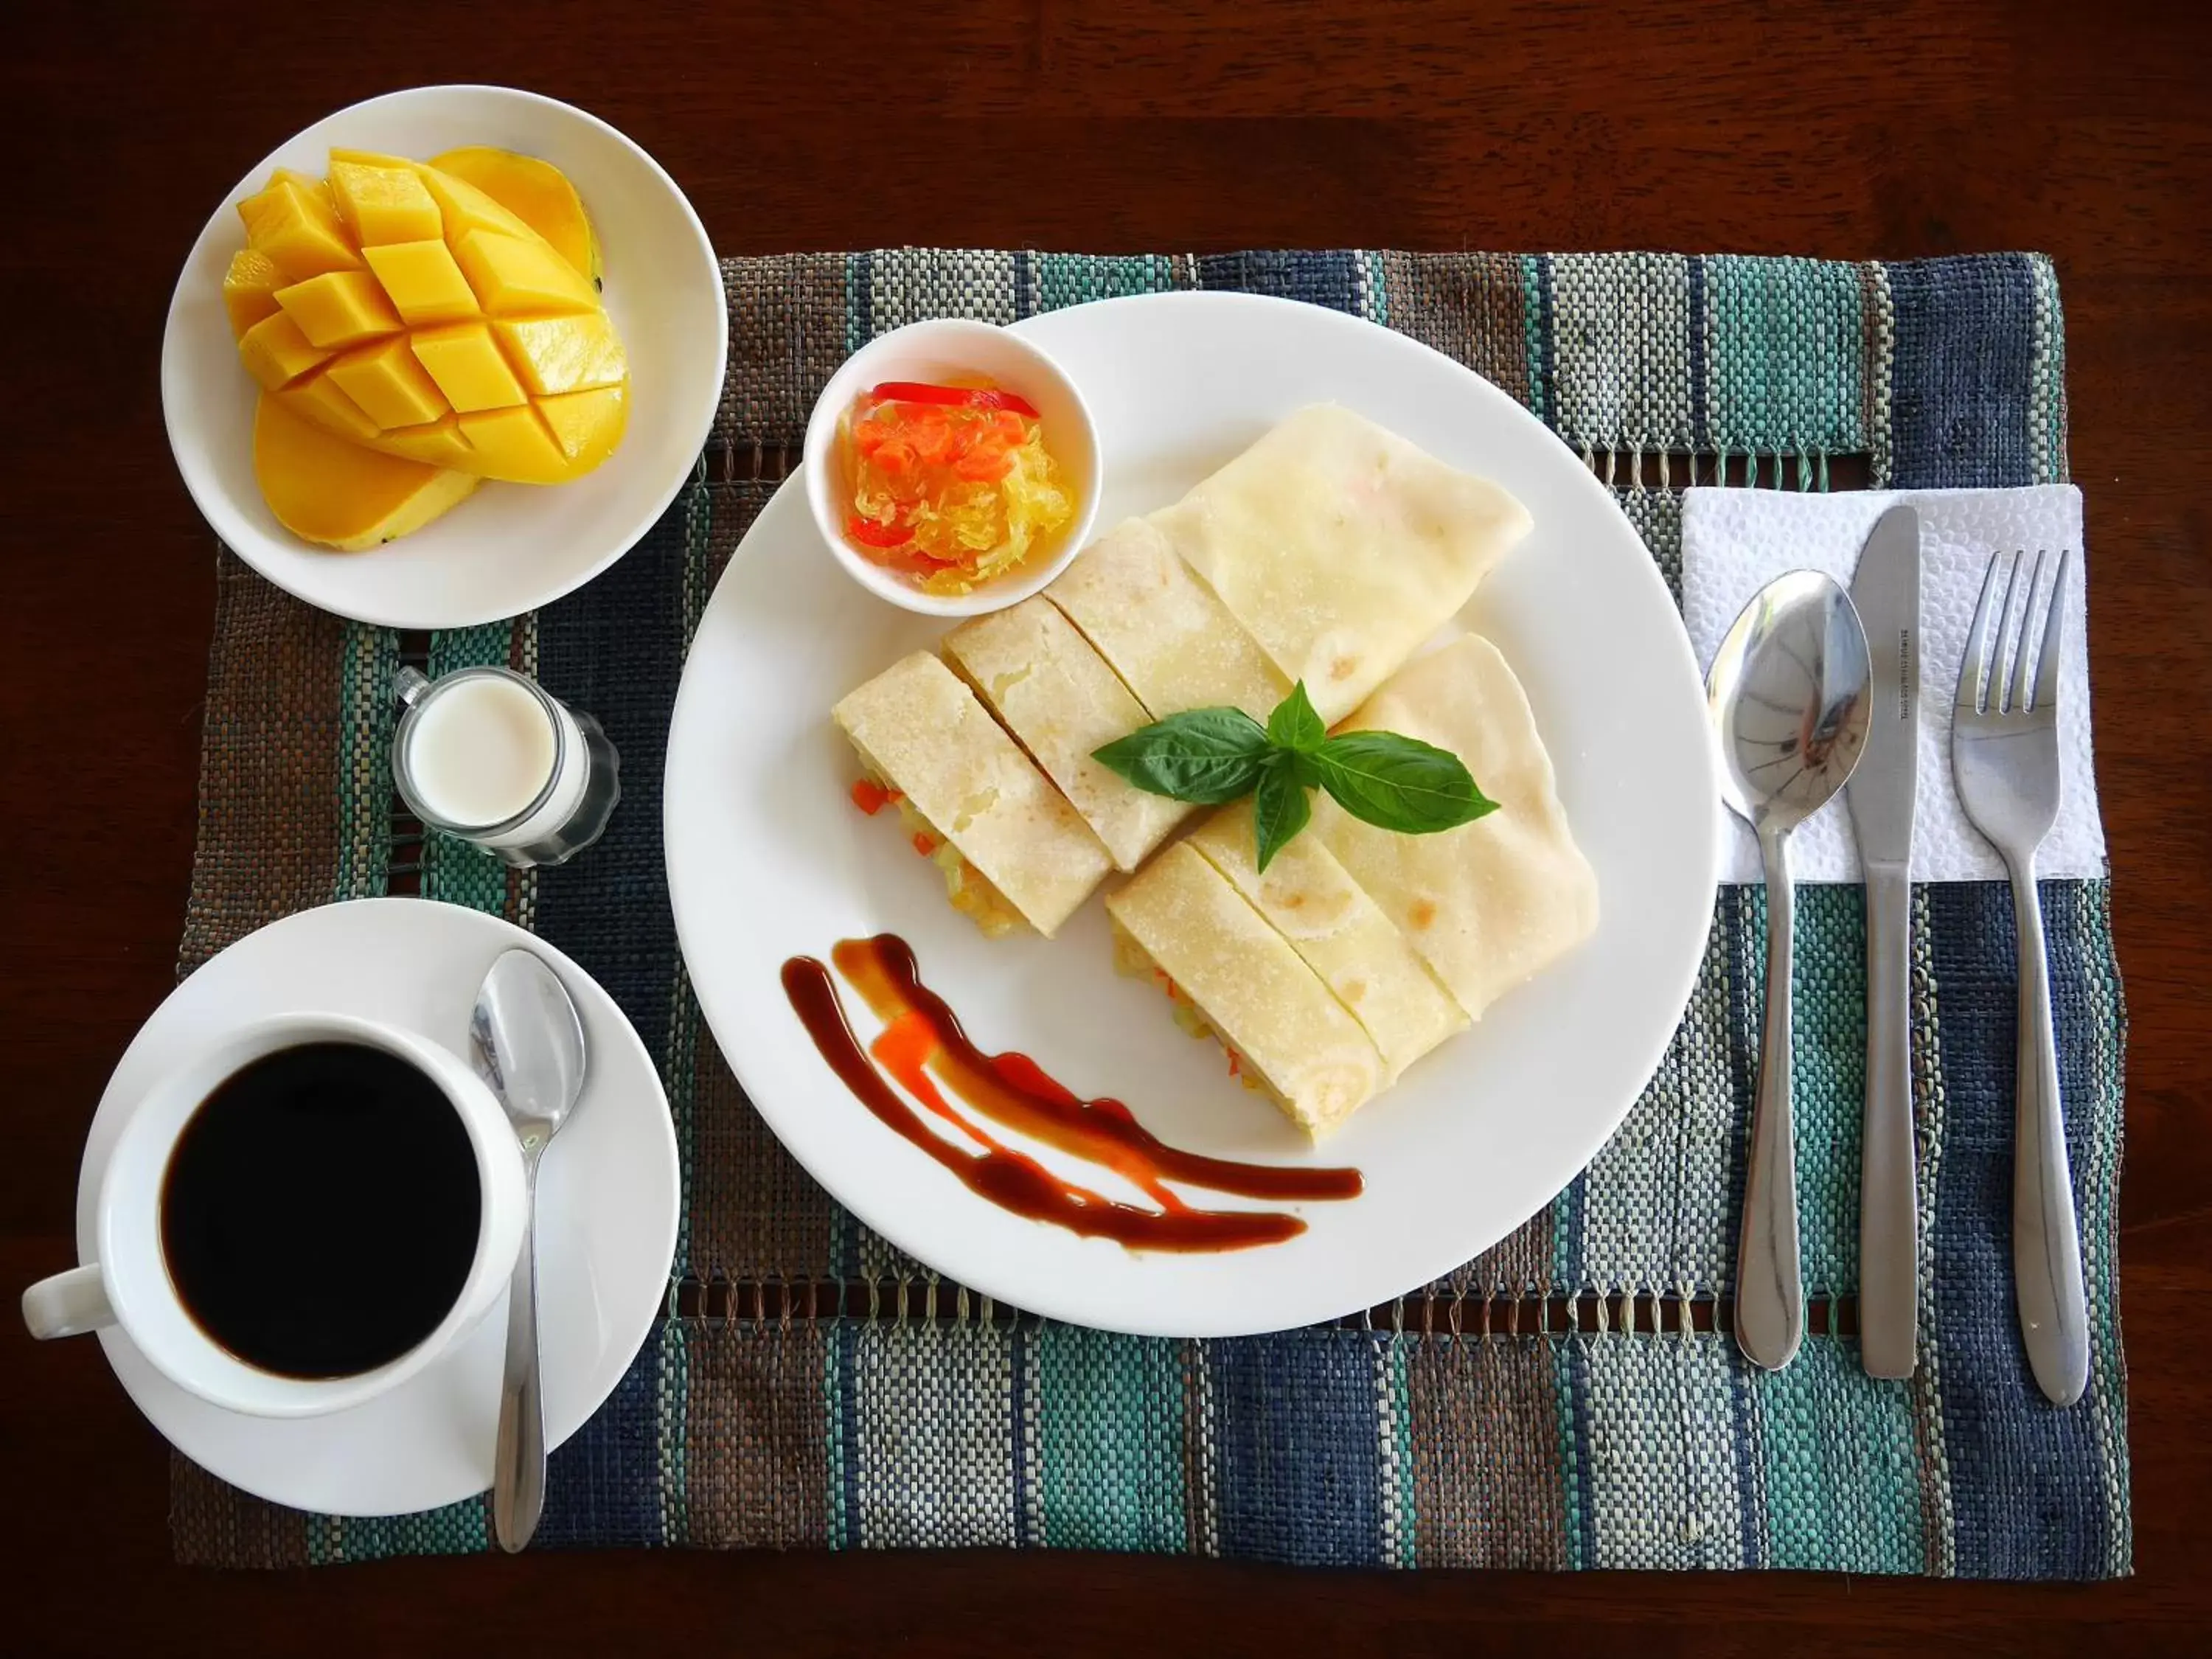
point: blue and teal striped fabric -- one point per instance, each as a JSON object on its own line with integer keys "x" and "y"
{"x": 1452, "y": 1434}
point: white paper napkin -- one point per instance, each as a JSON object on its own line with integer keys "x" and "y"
{"x": 1734, "y": 541}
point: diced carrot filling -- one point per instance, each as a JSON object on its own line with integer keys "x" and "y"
{"x": 869, "y": 795}
{"x": 925, "y": 843}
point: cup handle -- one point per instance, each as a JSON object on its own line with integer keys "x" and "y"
{"x": 68, "y": 1304}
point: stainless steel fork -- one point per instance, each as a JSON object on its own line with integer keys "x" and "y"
{"x": 2004, "y": 755}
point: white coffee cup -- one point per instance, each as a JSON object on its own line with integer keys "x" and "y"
{"x": 129, "y": 1283}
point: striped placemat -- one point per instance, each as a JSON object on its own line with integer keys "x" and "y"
{"x": 1563, "y": 1401}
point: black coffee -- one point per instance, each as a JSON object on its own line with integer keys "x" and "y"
{"x": 320, "y": 1211}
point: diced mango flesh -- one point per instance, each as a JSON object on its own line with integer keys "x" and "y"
{"x": 555, "y": 354}
{"x": 468, "y": 367}
{"x": 390, "y": 384}
{"x": 424, "y": 280}
{"x": 516, "y": 444}
{"x": 466, "y": 208}
{"x": 274, "y": 350}
{"x": 294, "y": 223}
{"x": 588, "y": 425}
{"x": 249, "y": 289}
{"x": 339, "y": 308}
{"x": 440, "y": 443}
{"x": 406, "y": 312}
{"x": 513, "y": 275}
{"x": 381, "y": 205}
{"x": 325, "y": 489}
{"x": 322, "y": 400}
{"x": 536, "y": 192}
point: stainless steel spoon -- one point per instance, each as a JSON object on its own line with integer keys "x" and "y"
{"x": 528, "y": 1044}
{"x": 1788, "y": 692}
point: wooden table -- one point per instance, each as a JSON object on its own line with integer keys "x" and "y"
{"x": 1922, "y": 127}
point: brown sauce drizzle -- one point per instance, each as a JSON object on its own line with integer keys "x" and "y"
{"x": 922, "y": 1043}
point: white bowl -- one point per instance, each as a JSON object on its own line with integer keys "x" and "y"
{"x": 509, "y": 548}
{"x": 940, "y": 350}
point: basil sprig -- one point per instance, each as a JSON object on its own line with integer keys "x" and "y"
{"x": 1211, "y": 756}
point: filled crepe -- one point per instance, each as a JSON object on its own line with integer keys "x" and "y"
{"x": 1171, "y": 641}
{"x": 1339, "y": 547}
{"x": 1060, "y": 700}
{"x": 1230, "y": 973}
{"x": 1011, "y": 848}
{"x": 1495, "y": 901}
{"x": 1340, "y": 934}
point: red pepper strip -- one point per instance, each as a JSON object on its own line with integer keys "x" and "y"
{"x": 961, "y": 397}
{"x": 869, "y": 533}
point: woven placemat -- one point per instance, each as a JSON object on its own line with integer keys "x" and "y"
{"x": 1563, "y": 1401}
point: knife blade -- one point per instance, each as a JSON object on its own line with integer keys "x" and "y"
{"x": 1881, "y": 796}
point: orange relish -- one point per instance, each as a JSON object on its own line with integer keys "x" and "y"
{"x": 950, "y": 485}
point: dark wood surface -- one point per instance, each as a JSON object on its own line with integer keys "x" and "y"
{"x": 1889, "y": 131}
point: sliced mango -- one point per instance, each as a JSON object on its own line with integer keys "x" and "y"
{"x": 390, "y": 384}
{"x": 465, "y": 208}
{"x": 294, "y": 223}
{"x": 339, "y": 308}
{"x": 536, "y": 192}
{"x": 555, "y": 354}
{"x": 424, "y": 280}
{"x": 406, "y": 310}
{"x": 330, "y": 406}
{"x": 468, "y": 367}
{"x": 441, "y": 443}
{"x": 588, "y": 425}
{"x": 326, "y": 490}
{"x": 380, "y": 205}
{"x": 274, "y": 350}
{"x": 515, "y": 275}
{"x": 249, "y": 289}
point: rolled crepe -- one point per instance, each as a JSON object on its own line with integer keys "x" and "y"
{"x": 1170, "y": 640}
{"x": 1340, "y": 933}
{"x": 1340, "y": 547}
{"x": 1492, "y": 902}
{"x": 922, "y": 731}
{"x": 1284, "y": 1025}
{"x": 1060, "y": 700}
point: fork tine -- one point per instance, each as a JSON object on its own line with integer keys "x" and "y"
{"x": 2017, "y": 702}
{"x": 2008, "y": 643}
{"x": 1969, "y": 700}
{"x": 2054, "y": 637}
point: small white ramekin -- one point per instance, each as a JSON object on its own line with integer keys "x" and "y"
{"x": 941, "y": 349}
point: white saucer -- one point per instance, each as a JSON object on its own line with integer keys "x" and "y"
{"x": 608, "y": 1198}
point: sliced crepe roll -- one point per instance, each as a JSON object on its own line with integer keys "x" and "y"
{"x": 1339, "y": 547}
{"x": 964, "y": 784}
{"x": 1237, "y": 978}
{"x": 1340, "y": 934}
{"x": 1171, "y": 641}
{"x": 1492, "y": 902}
{"x": 1062, "y": 701}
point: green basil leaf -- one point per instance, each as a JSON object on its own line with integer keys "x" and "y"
{"x": 1279, "y": 806}
{"x": 1296, "y": 724}
{"x": 1204, "y": 755}
{"x": 1399, "y": 783}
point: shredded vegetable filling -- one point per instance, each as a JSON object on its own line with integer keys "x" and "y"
{"x": 951, "y": 485}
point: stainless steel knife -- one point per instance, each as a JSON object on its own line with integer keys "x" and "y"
{"x": 1887, "y": 592}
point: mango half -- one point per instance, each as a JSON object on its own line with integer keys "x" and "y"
{"x": 324, "y": 489}
{"x": 406, "y": 310}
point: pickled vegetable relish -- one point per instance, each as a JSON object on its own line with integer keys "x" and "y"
{"x": 951, "y": 485}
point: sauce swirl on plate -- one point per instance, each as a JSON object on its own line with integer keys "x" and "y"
{"x": 922, "y": 1046}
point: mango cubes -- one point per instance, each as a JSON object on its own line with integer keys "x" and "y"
{"x": 406, "y": 312}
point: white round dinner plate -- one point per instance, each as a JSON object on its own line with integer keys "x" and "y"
{"x": 608, "y": 1196}
{"x": 509, "y": 547}
{"x": 767, "y": 858}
